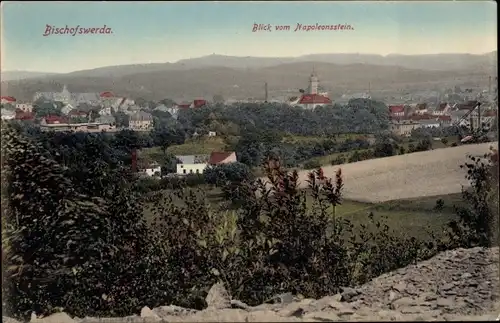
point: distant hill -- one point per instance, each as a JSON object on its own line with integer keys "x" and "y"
{"x": 158, "y": 81}
{"x": 437, "y": 62}
{"x": 19, "y": 75}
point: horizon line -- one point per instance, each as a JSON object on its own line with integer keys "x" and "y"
{"x": 254, "y": 56}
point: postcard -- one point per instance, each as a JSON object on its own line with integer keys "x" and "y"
{"x": 249, "y": 161}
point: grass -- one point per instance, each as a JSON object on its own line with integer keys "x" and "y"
{"x": 305, "y": 139}
{"x": 198, "y": 146}
{"x": 410, "y": 216}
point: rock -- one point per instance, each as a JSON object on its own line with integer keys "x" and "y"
{"x": 218, "y": 297}
{"x": 444, "y": 302}
{"x": 146, "y": 312}
{"x": 54, "y": 318}
{"x": 239, "y": 304}
{"x": 400, "y": 287}
{"x": 172, "y": 310}
{"x": 403, "y": 302}
{"x": 6, "y": 319}
{"x": 322, "y": 316}
{"x": 348, "y": 294}
{"x": 393, "y": 296}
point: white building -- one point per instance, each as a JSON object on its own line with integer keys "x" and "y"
{"x": 151, "y": 170}
{"x": 25, "y": 107}
{"x": 192, "y": 164}
{"x": 313, "y": 99}
{"x": 8, "y": 114}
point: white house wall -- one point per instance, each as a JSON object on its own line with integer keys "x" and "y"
{"x": 185, "y": 169}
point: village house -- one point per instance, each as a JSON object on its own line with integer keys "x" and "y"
{"x": 141, "y": 121}
{"x": 26, "y": 107}
{"x": 397, "y": 111}
{"x": 7, "y": 99}
{"x": 149, "y": 169}
{"x": 313, "y": 99}
{"x": 8, "y": 114}
{"x": 24, "y": 116}
{"x": 442, "y": 109}
{"x": 212, "y": 134}
{"x": 404, "y": 128}
{"x": 218, "y": 158}
{"x": 192, "y": 164}
{"x": 421, "y": 108}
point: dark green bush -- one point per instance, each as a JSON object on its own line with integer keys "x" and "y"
{"x": 96, "y": 256}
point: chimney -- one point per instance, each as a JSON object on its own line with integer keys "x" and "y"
{"x": 134, "y": 160}
{"x": 490, "y": 95}
{"x": 266, "y": 93}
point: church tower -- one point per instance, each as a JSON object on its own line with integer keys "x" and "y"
{"x": 313, "y": 84}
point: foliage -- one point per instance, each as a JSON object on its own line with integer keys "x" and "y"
{"x": 220, "y": 174}
{"x": 478, "y": 221}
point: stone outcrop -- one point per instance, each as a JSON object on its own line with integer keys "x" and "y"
{"x": 461, "y": 284}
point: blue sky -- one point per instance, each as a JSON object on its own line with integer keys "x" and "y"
{"x": 145, "y": 32}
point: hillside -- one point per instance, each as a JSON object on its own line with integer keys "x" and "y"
{"x": 155, "y": 83}
{"x": 428, "y": 173}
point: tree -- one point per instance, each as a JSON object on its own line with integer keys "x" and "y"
{"x": 122, "y": 119}
{"x": 218, "y": 99}
{"x": 46, "y": 109}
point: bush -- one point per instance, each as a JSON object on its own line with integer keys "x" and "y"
{"x": 312, "y": 164}
{"x": 233, "y": 172}
{"x": 96, "y": 256}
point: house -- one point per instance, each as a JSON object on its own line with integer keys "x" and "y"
{"x": 21, "y": 115}
{"x": 442, "y": 109}
{"x": 404, "y": 128}
{"x": 430, "y": 123}
{"x": 26, "y": 107}
{"x": 8, "y": 114}
{"x": 106, "y": 95}
{"x": 65, "y": 96}
{"x": 218, "y": 158}
{"x": 212, "y": 133}
{"x": 67, "y": 108}
{"x": 313, "y": 101}
{"x": 75, "y": 113}
{"x": 198, "y": 104}
{"x": 77, "y": 127}
{"x": 106, "y": 111}
{"x": 151, "y": 169}
{"x": 7, "y": 99}
{"x": 183, "y": 105}
{"x": 162, "y": 108}
{"x": 421, "y": 108}
{"x": 191, "y": 164}
{"x": 397, "y": 111}
{"x": 141, "y": 121}
{"x": 106, "y": 120}
{"x": 51, "y": 119}
{"x": 445, "y": 121}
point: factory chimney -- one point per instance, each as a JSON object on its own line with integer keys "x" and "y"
{"x": 134, "y": 160}
{"x": 266, "y": 93}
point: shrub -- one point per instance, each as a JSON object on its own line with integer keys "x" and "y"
{"x": 312, "y": 164}
{"x": 96, "y": 256}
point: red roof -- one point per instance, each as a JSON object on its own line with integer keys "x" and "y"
{"x": 107, "y": 94}
{"x": 8, "y": 98}
{"x": 444, "y": 118}
{"x": 314, "y": 98}
{"x": 490, "y": 113}
{"x": 199, "y": 103}
{"x": 218, "y": 157}
{"x": 21, "y": 115}
{"x": 54, "y": 119}
{"x": 396, "y": 108}
{"x": 76, "y": 113}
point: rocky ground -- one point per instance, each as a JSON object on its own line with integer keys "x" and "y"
{"x": 461, "y": 284}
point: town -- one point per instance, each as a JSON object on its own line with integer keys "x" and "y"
{"x": 106, "y": 112}
{"x": 174, "y": 166}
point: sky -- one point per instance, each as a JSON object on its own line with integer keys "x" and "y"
{"x": 158, "y": 32}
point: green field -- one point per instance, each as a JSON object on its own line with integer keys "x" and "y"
{"x": 412, "y": 216}
{"x": 199, "y": 146}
